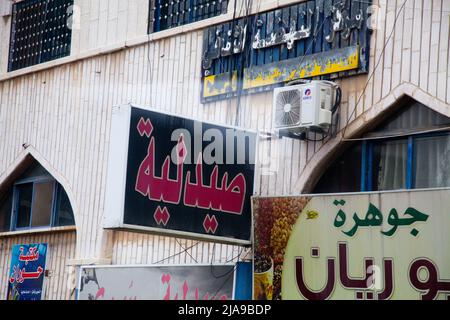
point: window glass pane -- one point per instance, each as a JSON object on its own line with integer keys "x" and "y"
{"x": 389, "y": 165}
{"x": 5, "y": 212}
{"x": 25, "y": 195}
{"x": 42, "y": 204}
{"x": 344, "y": 174}
{"x": 432, "y": 162}
{"x": 64, "y": 209}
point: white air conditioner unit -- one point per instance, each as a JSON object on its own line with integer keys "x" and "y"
{"x": 304, "y": 107}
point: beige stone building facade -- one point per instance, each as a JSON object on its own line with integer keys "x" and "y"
{"x": 58, "y": 113}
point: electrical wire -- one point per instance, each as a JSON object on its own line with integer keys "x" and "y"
{"x": 230, "y": 62}
{"x": 335, "y": 108}
{"x": 248, "y": 51}
{"x": 232, "y": 43}
{"x": 239, "y": 93}
{"x": 228, "y": 274}
{"x": 229, "y": 260}
{"x": 243, "y": 59}
{"x": 223, "y": 284}
{"x": 338, "y": 96}
{"x": 182, "y": 247}
{"x": 338, "y": 101}
{"x": 324, "y": 136}
{"x": 373, "y": 71}
{"x": 178, "y": 253}
{"x": 150, "y": 66}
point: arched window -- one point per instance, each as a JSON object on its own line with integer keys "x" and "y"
{"x": 34, "y": 200}
{"x": 409, "y": 150}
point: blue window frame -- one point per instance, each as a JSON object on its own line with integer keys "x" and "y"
{"x": 364, "y": 168}
{"x": 39, "y": 202}
{"x": 5, "y": 210}
{"x": 409, "y": 172}
{"x": 395, "y": 154}
{"x": 407, "y": 151}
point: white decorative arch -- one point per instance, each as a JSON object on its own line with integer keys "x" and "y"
{"x": 313, "y": 169}
{"x": 26, "y": 157}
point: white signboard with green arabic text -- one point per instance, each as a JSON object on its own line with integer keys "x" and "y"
{"x": 369, "y": 246}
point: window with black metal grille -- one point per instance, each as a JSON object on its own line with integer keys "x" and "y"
{"x": 39, "y": 32}
{"x": 166, "y": 14}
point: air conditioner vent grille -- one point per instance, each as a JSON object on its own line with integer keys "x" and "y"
{"x": 288, "y": 108}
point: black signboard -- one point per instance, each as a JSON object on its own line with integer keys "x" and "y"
{"x": 187, "y": 177}
{"x": 314, "y": 39}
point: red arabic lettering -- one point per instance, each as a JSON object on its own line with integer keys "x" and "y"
{"x": 32, "y": 275}
{"x": 185, "y": 289}
{"x": 145, "y": 127}
{"x": 161, "y": 216}
{"x": 432, "y": 286}
{"x": 360, "y": 284}
{"x": 210, "y": 224}
{"x": 16, "y": 275}
{"x": 327, "y": 289}
{"x": 346, "y": 280}
{"x": 32, "y": 255}
{"x": 100, "y": 293}
{"x": 227, "y": 198}
{"x": 161, "y": 188}
{"x": 20, "y": 276}
{"x": 165, "y": 279}
{"x": 365, "y": 282}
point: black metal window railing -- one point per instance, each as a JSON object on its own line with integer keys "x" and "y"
{"x": 166, "y": 14}
{"x": 39, "y": 32}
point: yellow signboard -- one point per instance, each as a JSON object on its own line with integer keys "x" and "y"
{"x": 313, "y": 65}
{"x": 220, "y": 84}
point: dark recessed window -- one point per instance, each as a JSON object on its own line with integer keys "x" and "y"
{"x": 64, "y": 212}
{"x": 344, "y": 174}
{"x": 39, "y": 32}
{"x": 166, "y": 14}
{"x": 35, "y": 200}
{"x": 5, "y": 211}
{"x": 402, "y": 153}
{"x": 24, "y": 196}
